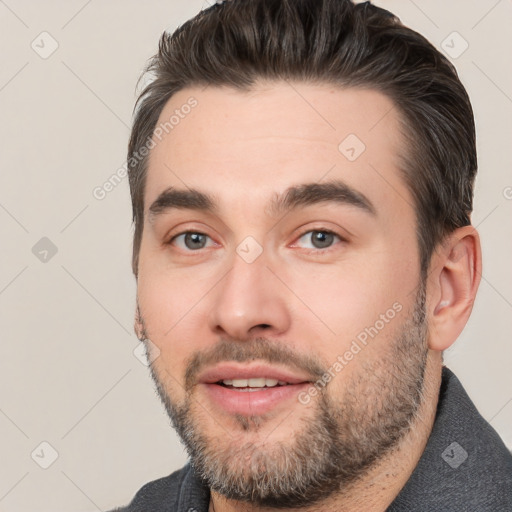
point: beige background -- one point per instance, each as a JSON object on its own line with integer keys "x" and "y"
{"x": 68, "y": 373}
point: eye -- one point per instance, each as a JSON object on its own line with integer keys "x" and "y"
{"x": 191, "y": 240}
{"x": 318, "y": 239}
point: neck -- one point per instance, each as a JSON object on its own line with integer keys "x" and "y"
{"x": 383, "y": 482}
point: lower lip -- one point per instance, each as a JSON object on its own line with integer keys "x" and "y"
{"x": 251, "y": 403}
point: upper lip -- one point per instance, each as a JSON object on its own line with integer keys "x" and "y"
{"x": 233, "y": 371}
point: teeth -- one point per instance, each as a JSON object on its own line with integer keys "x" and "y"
{"x": 260, "y": 382}
{"x": 256, "y": 383}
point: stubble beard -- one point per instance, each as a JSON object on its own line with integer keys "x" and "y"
{"x": 332, "y": 447}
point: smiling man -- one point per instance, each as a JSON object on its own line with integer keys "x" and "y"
{"x": 301, "y": 175}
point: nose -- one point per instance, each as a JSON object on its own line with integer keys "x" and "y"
{"x": 249, "y": 301}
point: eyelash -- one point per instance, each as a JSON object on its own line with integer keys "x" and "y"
{"x": 316, "y": 230}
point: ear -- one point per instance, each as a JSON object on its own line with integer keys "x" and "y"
{"x": 138, "y": 325}
{"x": 455, "y": 273}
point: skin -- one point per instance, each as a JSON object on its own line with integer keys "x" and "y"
{"x": 242, "y": 148}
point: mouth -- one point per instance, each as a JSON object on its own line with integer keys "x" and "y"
{"x": 251, "y": 390}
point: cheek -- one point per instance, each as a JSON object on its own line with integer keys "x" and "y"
{"x": 345, "y": 298}
{"x": 172, "y": 306}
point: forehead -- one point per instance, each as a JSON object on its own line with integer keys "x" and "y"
{"x": 278, "y": 134}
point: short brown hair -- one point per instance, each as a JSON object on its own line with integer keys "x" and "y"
{"x": 335, "y": 42}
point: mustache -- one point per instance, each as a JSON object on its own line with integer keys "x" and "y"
{"x": 261, "y": 349}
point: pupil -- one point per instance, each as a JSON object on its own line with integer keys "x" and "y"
{"x": 322, "y": 239}
{"x": 195, "y": 240}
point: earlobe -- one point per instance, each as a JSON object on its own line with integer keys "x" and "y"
{"x": 455, "y": 280}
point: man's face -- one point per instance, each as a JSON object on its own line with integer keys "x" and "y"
{"x": 289, "y": 320}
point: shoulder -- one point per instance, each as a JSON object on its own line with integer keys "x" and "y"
{"x": 170, "y": 493}
{"x": 465, "y": 465}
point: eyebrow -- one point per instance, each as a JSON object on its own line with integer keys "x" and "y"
{"x": 294, "y": 197}
{"x": 190, "y": 199}
{"x": 315, "y": 193}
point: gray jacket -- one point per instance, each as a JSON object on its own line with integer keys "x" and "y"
{"x": 465, "y": 468}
